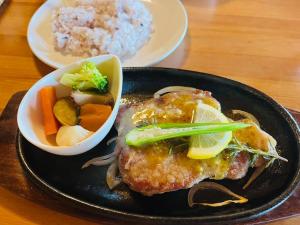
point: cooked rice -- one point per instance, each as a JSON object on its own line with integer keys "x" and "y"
{"x": 94, "y": 27}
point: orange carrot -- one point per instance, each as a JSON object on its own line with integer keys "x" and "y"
{"x": 96, "y": 109}
{"x": 47, "y": 100}
{"x": 93, "y": 116}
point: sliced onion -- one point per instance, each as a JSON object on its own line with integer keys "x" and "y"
{"x": 209, "y": 100}
{"x": 111, "y": 175}
{"x": 111, "y": 140}
{"x": 100, "y": 161}
{"x": 246, "y": 115}
{"x": 254, "y": 175}
{"x": 172, "y": 89}
{"x": 272, "y": 145}
{"x": 214, "y": 186}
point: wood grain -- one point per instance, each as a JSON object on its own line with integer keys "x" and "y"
{"x": 256, "y": 42}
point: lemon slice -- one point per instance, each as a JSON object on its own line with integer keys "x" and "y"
{"x": 206, "y": 146}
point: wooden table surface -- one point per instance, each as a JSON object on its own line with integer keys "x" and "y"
{"x": 256, "y": 42}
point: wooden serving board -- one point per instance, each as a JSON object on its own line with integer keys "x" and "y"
{"x": 13, "y": 178}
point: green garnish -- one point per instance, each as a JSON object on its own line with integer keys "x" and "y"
{"x": 88, "y": 78}
{"x": 237, "y": 147}
{"x": 158, "y": 132}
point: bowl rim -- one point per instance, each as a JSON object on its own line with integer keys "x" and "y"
{"x": 65, "y": 150}
{"x": 238, "y": 216}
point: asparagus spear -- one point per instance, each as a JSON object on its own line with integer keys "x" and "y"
{"x": 158, "y": 132}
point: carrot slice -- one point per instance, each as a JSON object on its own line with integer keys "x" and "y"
{"x": 93, "y": 116}
{"x": 96, "y": 109}
{"x": 47, "y": 99}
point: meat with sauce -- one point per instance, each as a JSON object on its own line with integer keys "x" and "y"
{"x": 164, "y": 166}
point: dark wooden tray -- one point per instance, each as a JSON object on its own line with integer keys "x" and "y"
{"x": 14, "y": 179}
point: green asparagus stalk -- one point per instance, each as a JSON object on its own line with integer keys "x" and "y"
{"x": 158, "y": 132}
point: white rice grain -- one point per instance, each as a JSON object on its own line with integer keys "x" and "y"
{"x": 94, "y": 27}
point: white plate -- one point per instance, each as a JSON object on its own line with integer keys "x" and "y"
{"x": 169, "y": 21}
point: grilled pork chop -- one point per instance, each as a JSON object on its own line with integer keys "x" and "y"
{"x": 164, "y": 166}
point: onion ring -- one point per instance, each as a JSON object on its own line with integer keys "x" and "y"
{"x": 172, "y": 89}
{"x": 214, "y": 186}
{"x": 255, "y": 174}
{"x": 111, "y": 175}
{"x": 111, "y": 140}
{"x": 100, "y": 161}
{"x": 246, "y": 115}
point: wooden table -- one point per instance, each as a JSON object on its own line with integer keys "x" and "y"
{"x": 256, "y": 42}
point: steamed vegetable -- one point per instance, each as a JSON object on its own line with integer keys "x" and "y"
{"x": 47, "y": 97}
{"x": 93, "y": 116}
{"x": 88, "y": 78}
{"x": 90, "y": 97}
{"x": 71, "y": 135}
{"x": 66, "y": 112}
{"x": 153, "y": 133}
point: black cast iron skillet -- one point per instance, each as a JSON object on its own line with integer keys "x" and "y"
{"x": 87, "y": 189}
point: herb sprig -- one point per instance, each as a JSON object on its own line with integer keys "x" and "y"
{"x": 237, "y": 146}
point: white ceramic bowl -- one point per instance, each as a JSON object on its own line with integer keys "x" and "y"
{"x": 30, "y": 119}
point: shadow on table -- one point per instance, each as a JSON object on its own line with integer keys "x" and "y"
{"x": 43, "y": 68}
{"x": 178, "y": 58}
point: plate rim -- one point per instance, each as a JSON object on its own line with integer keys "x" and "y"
{"x": 238, "y": 216}
{"x": 58, "y": 65}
